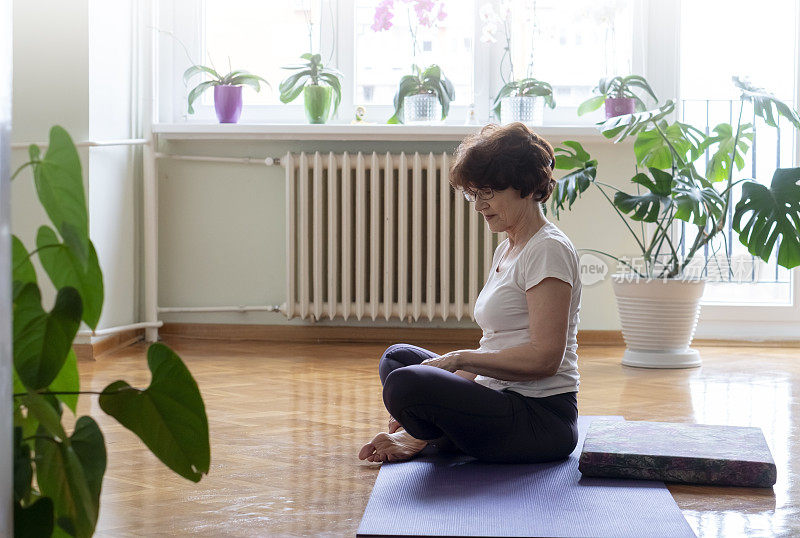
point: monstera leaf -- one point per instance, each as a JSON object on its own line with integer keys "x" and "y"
{"x": 766, "y": 105}
{"x": 630, "y": 124}
{"x": 720, "y": 162}
{"x": 169, "y": 416}
{"x": 774, "y": 213}
{"x": 695, "y": 198}
{"x": 652, "y": 150}
{"x": 569, "y": 187}
{"x": 647, "y": 207}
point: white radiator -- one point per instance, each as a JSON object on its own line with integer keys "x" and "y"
{"x": 381, "y": 236}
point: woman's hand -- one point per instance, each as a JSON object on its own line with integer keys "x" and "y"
{"x": 449, "y": 361}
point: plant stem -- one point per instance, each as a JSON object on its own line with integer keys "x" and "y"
{"x": 508, "y": 49}
{"x": 721, "y": 224}
{"x": 18, "y": 170}
{"x": 641, "y": 246}
{"x": 31, "y": 253}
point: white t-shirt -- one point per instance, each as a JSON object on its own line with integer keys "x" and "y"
{"x": 501, "y": 309}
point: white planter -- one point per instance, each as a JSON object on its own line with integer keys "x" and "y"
{"x": 525, "y": 108}
{"x": 421, "y": 109}
{"x": 658, "y": 320}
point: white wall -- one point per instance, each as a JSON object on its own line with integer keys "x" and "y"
{"x": 112, "y": 184}
{"x": 51, "y": 87}
{"x": 73, "y": 67}
{"x": 222, "y": 231}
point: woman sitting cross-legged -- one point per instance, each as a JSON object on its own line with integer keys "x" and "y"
{"x": 514, "y": 399}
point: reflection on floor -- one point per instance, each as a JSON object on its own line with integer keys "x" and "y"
{"x": 287, "y": 421}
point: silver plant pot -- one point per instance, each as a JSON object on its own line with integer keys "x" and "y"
{"x": 422, "y": 108}
{"x": 524, "y": 108}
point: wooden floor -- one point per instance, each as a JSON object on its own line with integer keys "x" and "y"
{"x": 287, "y": 422}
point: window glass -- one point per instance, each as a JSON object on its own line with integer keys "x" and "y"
{"x": 259, "y": 37}
{"x": 571, "y": 45}
{"x": 385, "y": 49}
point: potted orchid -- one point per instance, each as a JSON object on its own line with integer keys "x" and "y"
{"x": 321, "y": 86}
{"x": 618, "y": 96}
{"x": 227, "y": 90}
{"x": 425, "y": 95}
{"x": 519, "y": 99}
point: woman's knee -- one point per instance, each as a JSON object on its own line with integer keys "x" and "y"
{"x": 407, "y": 386}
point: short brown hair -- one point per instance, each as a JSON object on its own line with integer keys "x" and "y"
{"x": 501, "y": 157}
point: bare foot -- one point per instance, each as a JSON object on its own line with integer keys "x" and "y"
{"x": 396, "y": 446}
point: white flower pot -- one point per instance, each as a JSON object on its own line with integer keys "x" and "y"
{"x": 422, "y": 108}
{"x": 658, "y": 320}
{"x": 525, "y": 108}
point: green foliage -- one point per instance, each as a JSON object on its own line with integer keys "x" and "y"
{"x": 58, "y": 476}
{"x": 617, "y": 87}
{"x": 570, "y": 187}
{"x": 239, "y": 77}
{"x": 430, "y": 80}
{"x": 527, "y": 87}
{"x": 671, "y": 189}
{"x": 774, "y": 213}
{"x": 311, "y": 73}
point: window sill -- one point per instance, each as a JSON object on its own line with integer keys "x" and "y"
{"x": 262, "y": 131}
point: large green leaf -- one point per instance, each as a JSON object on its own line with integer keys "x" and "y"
{"x": 570, "y": 187}
{"x": 64, "y": 270}
{"x": 254, "y": 81}
{"x": 335, "y": 83}
{"x": 59, "y": 184}
{"x": 169, "y": 416}
{"x": 774, "y": 213}
{"x": 647, "y": 207}
{"x": 766, "y": 105}
{"x": 46, "y": 412}
{"x": 71, "y": 473}
{"x": 68, "y": 380}
{"x": 652, "y": 149}
{"x": 42, "y": 340}
{"x": 695, "y": 199}
{"x": 23, "y": 271}
{"x": 293, "y": 86}
{"x": 629, "y": 124}
{"x": 34, "y": 521}
{"x": 719, "y": 164}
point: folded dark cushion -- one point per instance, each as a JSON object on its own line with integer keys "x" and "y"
{"x": 674, "y": 452}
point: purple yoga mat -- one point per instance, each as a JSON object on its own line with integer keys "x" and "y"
{"x": 444, "y": 495}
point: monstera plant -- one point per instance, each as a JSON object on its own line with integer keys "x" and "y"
{"x": 58, "y": 474}
{"x": 659, "y": 316}
{"x": 666, "y": 153}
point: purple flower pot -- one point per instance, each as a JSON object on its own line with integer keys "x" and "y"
{"x": 228, "y": 103}
{"x": 619, "y": 106}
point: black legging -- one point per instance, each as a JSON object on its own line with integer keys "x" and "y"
{"x": 488, "y": 424}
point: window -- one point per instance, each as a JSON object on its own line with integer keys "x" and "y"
{"x": 569, "y": 44}
{"x": 710, "y": 56}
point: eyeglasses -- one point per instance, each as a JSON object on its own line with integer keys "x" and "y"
{"x": 483, "y": 194}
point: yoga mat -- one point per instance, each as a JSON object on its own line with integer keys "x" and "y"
{"x": 455, "y": 495}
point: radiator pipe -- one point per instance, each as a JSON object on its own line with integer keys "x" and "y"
{"x": 269, "y": 161}
{"x": 201, "y": 309}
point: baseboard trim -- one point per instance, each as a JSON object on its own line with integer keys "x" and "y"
{"x": 390, "y": 335}
{"x": 92, "y": 351}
